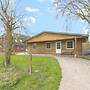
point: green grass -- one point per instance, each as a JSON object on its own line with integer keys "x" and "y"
{"x": 46, "y": 73}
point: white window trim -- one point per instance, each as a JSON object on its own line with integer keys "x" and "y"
{"x": 73, "y": 44}
{"x": 46, "y": 45}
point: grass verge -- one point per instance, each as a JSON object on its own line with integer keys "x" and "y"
{"x": 46, "y": 73}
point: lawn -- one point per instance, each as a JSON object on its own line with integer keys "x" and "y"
{"x": 46, "y": 73}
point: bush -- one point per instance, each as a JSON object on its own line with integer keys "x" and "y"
{"x": 9, "y": 77}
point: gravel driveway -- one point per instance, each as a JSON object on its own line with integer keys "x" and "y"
{"x": 75, "y": 73}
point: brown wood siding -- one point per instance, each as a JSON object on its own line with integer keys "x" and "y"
{"x": 64, "y": 49}
{"x": 79, "y": 46}
{"x": 41, "y": 48}
{"x": 80, "y": 41}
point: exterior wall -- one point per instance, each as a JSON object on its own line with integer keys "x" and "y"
{"x": 80, "y": 42}
{"x": 65, "y": 50}
{"x": 79, "y": 47}
{"x": 41, "y": 47}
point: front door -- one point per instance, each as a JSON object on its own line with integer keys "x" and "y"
{"x": 58, "y": 47}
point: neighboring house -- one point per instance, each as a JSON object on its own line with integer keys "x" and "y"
{"x": 19, "y": 42}
{"x": 57, "y": 43}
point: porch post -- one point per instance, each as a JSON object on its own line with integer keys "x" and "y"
{"x": 75, "y": 47}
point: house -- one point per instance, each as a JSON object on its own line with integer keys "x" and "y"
{"x": 19, "y": 44}
{"x": 57, "y": 43}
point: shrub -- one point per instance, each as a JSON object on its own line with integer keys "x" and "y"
{"x": 9, "y": 77}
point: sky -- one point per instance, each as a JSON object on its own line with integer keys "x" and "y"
{"x": 39, "y": 16}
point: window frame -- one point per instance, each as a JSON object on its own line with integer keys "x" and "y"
{"x": 47, "y": 45}
{"x": 67, "y": 44}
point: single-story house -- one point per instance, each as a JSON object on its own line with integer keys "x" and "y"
{"x": 57, "y": 43}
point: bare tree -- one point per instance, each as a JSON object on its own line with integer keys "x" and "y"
{"x": 78, "y": 8}
{"x": 10, "y": 22}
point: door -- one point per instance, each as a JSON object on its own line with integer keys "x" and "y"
{"x": 58, "y": 47}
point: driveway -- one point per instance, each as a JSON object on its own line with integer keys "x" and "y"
{"x": 75, "y": 73}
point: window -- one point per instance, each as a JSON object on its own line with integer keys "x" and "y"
{"x": 70, "y": 44}
{"x": 34, "y": 45}
{"x": 48, "y": 45}
{"x": 58, "y": 45}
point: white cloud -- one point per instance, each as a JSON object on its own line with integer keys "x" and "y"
{"x": 45, "y": 0}
{"x": 41, "y": 0}
{"x": 29, "y": 20}
{"x": 86, "y": 31}
{"x": 30, "y": 9}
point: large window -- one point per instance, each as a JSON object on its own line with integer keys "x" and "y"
{"x": 48, "y": 45}
{"x": 70, "y": 44}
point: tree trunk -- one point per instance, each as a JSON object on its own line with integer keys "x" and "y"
{"x": 30, "y": 63}
{"x": 8, "y": 48}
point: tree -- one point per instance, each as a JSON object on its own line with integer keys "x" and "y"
{"x": 10, "y": 23}
{"x": 78, "y": 8}
{"x": 30, "y": 61}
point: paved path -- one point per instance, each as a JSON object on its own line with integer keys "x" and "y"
{"x": 75, "y": 73}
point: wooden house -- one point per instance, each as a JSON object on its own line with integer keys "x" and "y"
{"x": 57, "y": 43}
